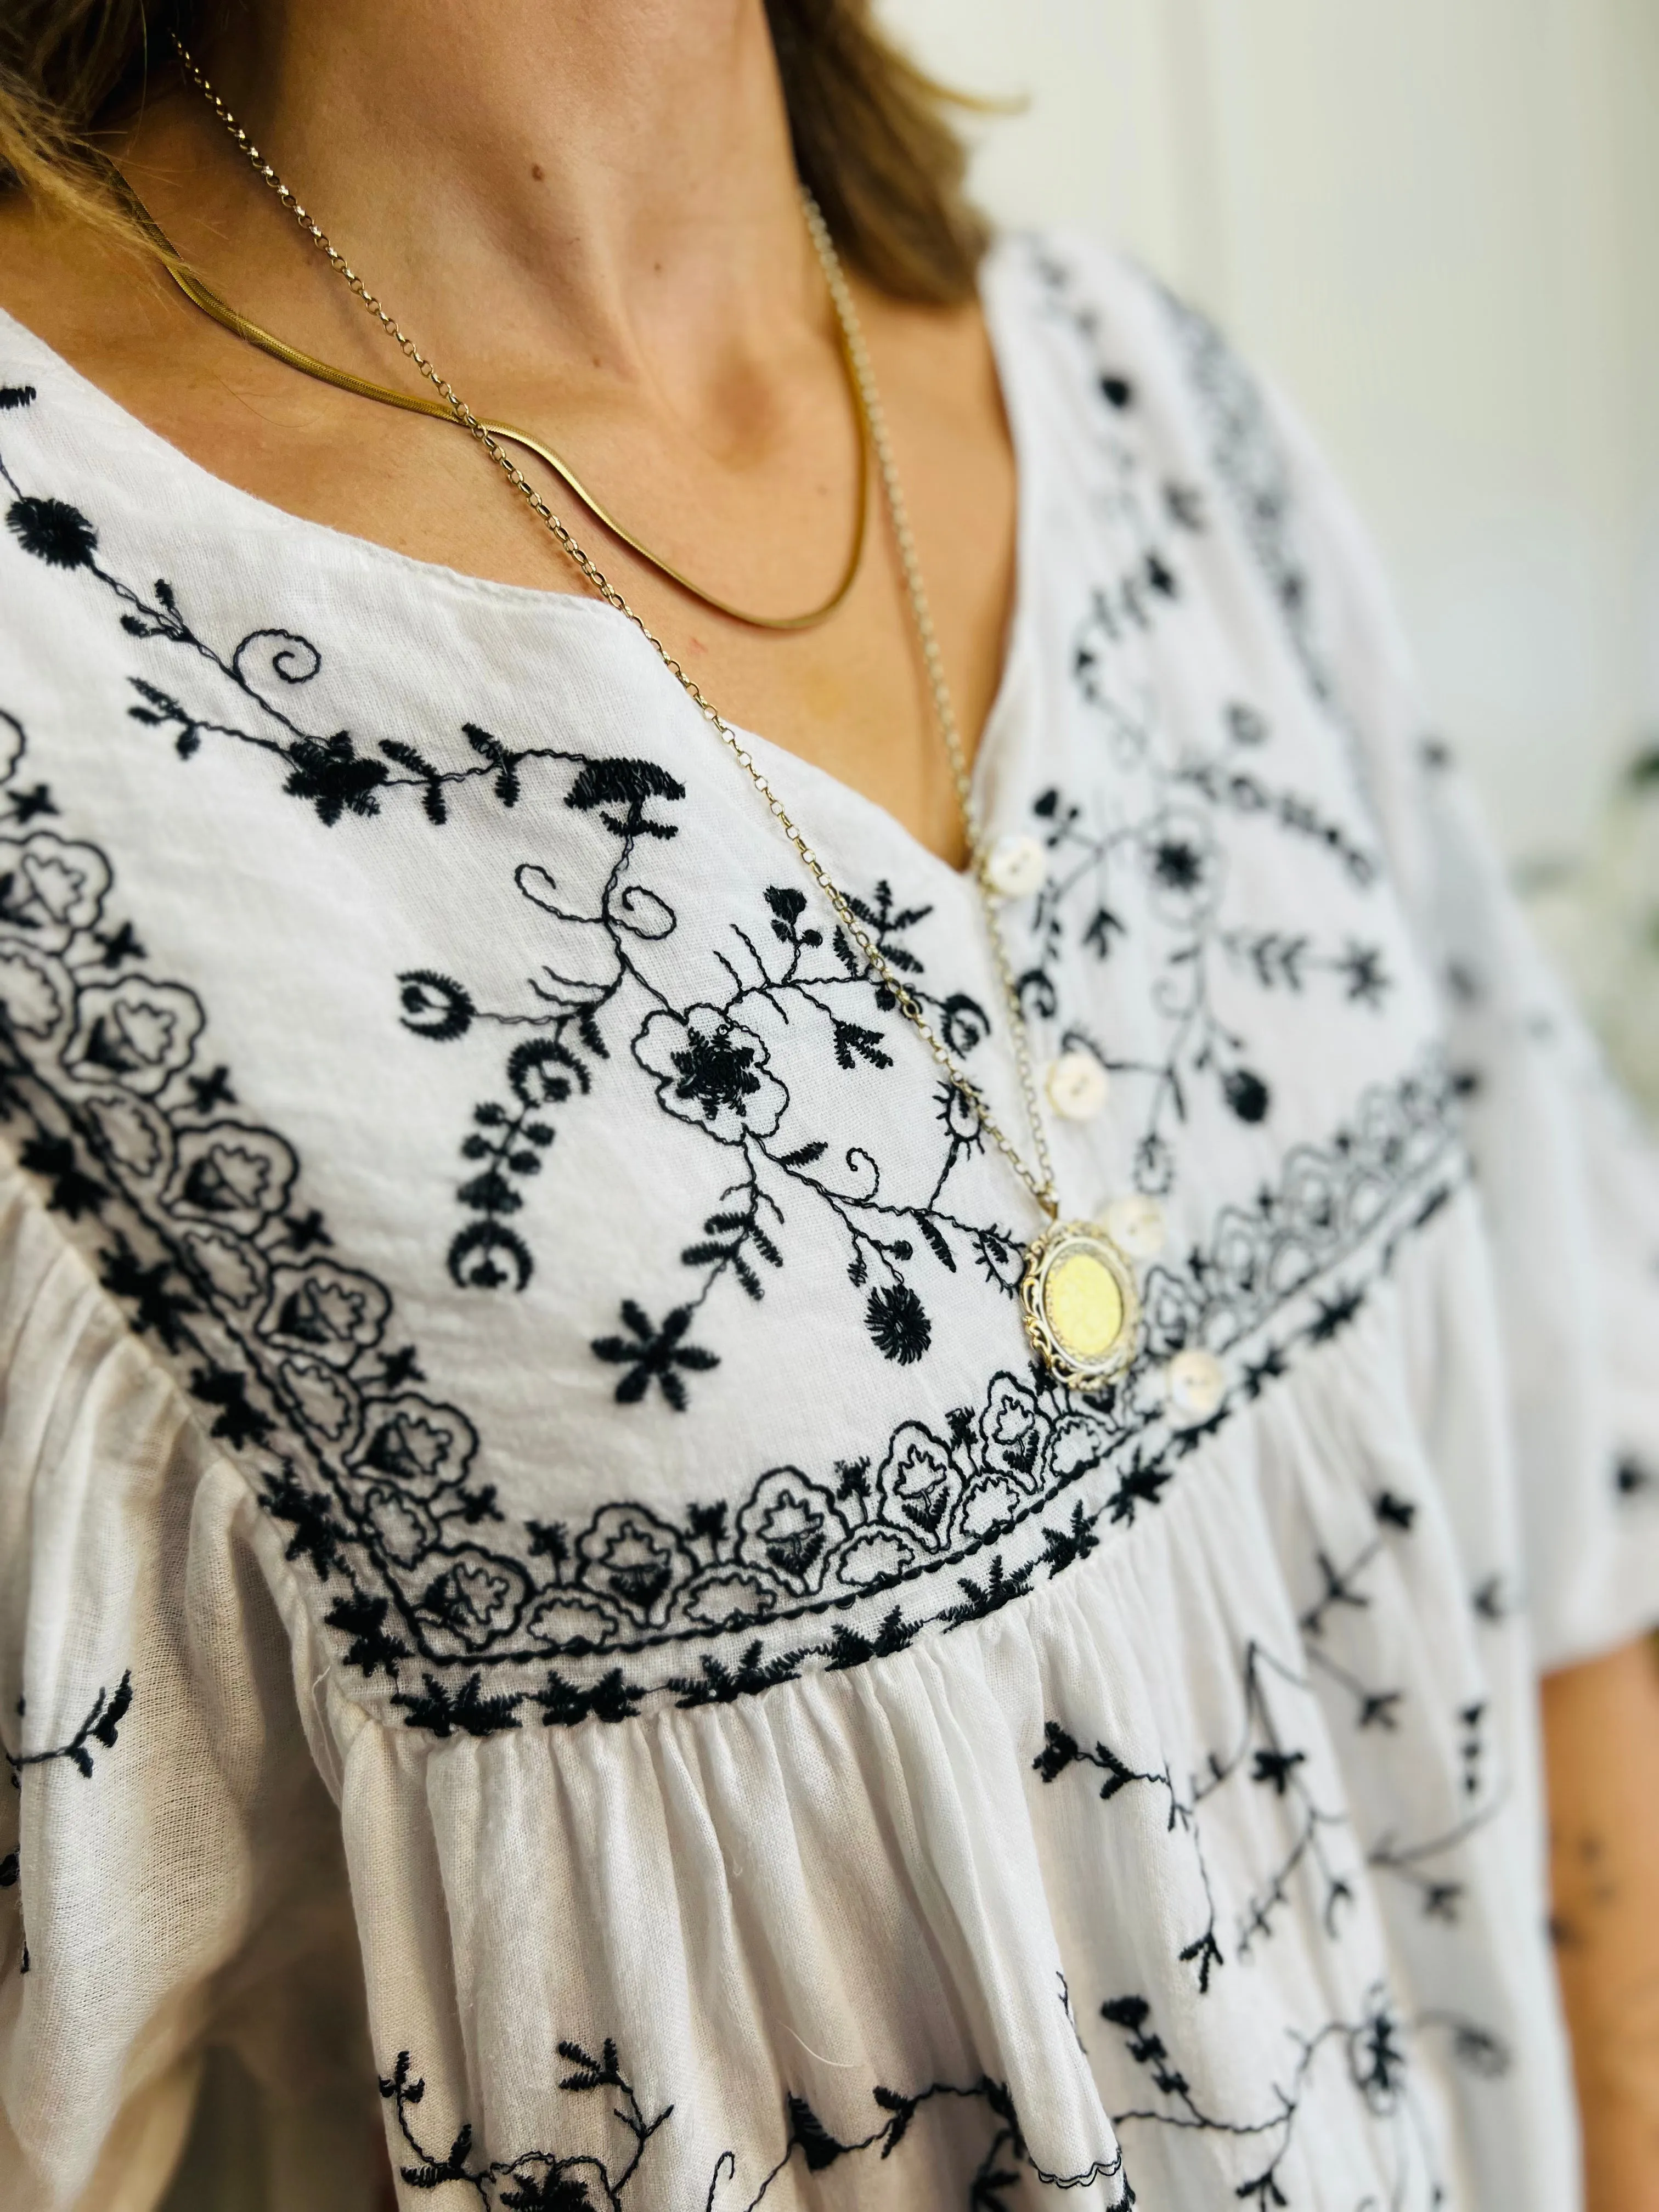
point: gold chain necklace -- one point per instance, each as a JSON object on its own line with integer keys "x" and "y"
{"x": 1079, "y": 1297}
{"x": 200, "y": 294}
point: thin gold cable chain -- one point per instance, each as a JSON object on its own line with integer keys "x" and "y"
{"x": 1040, "y": 1185}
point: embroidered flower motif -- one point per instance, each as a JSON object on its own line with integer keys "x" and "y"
{"x": 329, "y": 1310}
{"x": 1011, "y": 1431}
{"x": 630, "y": 784}
{"x": 475, "y": 1600}
{"x": 569, "y": 1624}
{"x": 53, "y": 531}
{"x": 920, "y": 1482}
{"x": 788, "y": 1525}
{"x": 990, "y": 1505}
{"x": 33, "y": 1000}
{"x": 729, "y": 1599}
{"x": 324, "y": 1401}
{"x": 1184, "y": 865}
{"x": 232, "y": 1175}
{"x": 897, "y": 1322}
{"x": 51, "y": 888}
{"x": 959, "y": 1114}
{"x": 138, "y": 1031}
{"x": 651, "y": 1354}
{"x": 403, "y": 1524}
{"x": 1154, "y": 1166}
{"x": 334, "y": 776}
{"x": 876, "y": 1557}
{"x": 630, "y": 1555}
{"x": 434, "y": 1006}
{"x": 419, "y": 1445}
{"x": 712, "y": 1071}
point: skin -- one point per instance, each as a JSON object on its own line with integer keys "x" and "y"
{"x": 586, "y": 217}
{"x": 1602, "y": 1741}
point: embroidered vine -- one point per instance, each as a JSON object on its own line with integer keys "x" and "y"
{"x": 293, "y": 1354}
{"x": 98, "y": 1730}
{"x": 586, "y": 2181}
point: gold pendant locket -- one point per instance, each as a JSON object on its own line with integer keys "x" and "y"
{"x": 1081, "y": 1305}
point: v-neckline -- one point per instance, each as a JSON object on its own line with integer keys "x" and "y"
{"x": 439, "y": 575}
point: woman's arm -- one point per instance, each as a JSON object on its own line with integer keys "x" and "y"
{"x": 1602, "y": 1750}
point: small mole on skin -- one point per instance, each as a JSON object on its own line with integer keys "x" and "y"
{"x": 538, "y": 173}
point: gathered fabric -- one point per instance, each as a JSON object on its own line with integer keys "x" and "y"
{"x": 546, "y": 1608}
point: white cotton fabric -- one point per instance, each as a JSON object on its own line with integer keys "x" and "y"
{"x": 535, "y": 1565}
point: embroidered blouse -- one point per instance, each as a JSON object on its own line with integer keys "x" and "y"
{"x": 536, "y": 1567}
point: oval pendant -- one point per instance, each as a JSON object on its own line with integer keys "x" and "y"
{"x": 1081, "y": 1306}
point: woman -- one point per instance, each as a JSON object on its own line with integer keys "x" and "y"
{"x": 779, "y": 1477}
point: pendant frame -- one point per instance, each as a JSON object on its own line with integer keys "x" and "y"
{"x": 1068, "y": 1240}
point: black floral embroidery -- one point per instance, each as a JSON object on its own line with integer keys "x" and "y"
{"x": 293, "y": 1354}
{"x": 708, "y": 1064}
{"x": 1260, "y": 1757}
{"x": 1165, "y": 868}
{"x": 1368, "y": 2055}
{"x": 52, "y": 530}
{"x": 589, "y": 2181}
{"x": 99, "y": 1731}
{"x": 651, "y": 1354}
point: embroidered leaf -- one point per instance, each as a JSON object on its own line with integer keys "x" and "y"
{"x": 854, "y": 1042}
{"x": 506, "y": 784}
{"x": 803, "y": 1155}
{"x": 109, "y": 1720}
{"x": 442, "y": 1713}
{"x": 820, "y": 2146}
{"x": 432, "y": 795}
{"x": 935, "y": 1242}
{"x": 611, "y": 1698}
{"x": 848, "y": 1649}
{"x": 1205, "y": 1953}
{"x": 1275, "y": 1768}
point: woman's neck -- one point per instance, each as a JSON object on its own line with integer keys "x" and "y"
{"x": 608, "y": 192}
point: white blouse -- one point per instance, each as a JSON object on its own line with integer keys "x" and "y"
{"x": 535, "y": 1564}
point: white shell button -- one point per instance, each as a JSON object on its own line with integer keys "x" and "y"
{"x": 1195, "y": 1384}
{"x": 1016, "y": 866}
{"x": 1077, "y": 1085}
{"x": 1135, "y": 1225}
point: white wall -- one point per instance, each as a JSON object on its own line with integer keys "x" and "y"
{"x": 1436, "y": 223}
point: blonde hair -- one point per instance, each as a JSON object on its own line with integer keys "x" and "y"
{"x": 872, "y": 135}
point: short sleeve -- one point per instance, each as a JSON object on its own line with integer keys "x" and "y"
{"x": 1568, "y": 1176}
{"x": 173, "y": 1905}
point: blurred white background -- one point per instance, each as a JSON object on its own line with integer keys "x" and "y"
{"x": 1435, "y": 223}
